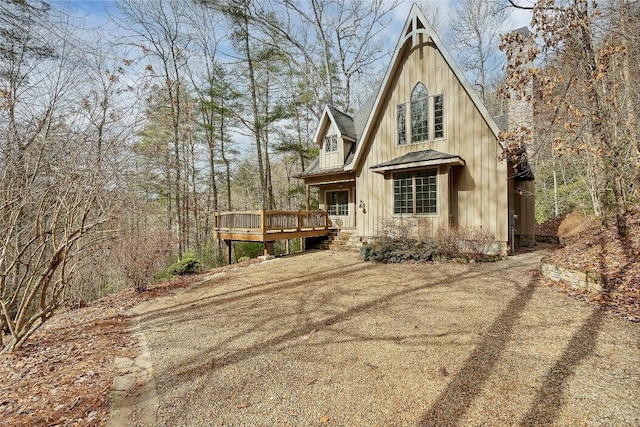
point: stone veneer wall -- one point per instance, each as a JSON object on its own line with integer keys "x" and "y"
{"x": 586, "y": 281}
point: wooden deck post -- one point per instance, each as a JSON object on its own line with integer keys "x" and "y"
{"x": 308, "y": 196}
{"x": 263, "y": 223}
{"x": 268, "y": 248}
{"x": 229, "y": 250}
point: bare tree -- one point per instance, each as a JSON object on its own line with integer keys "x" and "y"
{"x": 476, "y": 29}
{"x": 434, "y": 14}
{"x": 582, "y": 81}
{"x": 238, "y": 13}
{"x": 156, "y": 29}
{"x": 336, "y": 45}
{"x": 57, "y": 174}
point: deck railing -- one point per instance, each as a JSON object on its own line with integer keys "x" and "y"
{"x": 251, "y": 224}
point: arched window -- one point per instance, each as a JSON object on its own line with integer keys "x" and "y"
{"x": 419, "y": 113}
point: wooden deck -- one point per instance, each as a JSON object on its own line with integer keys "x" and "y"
{"x": 269, "y": 226}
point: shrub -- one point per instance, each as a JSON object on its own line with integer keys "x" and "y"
{"x": 449, "y": 243}
{"x": 397, "y": 251}
{"x": 477, "y": 243}
{"x": 187, "y": 265}
{"x": 466, "y": 243}
{"x": 394, "y": 229}
{"x": 142, "y": 255}
{"x": 248, "y": 249}
{"x": 428, "y": 249}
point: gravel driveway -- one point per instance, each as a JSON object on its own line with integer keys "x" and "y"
{"x": 323, "y": 338}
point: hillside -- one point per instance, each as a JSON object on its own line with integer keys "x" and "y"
{"x": 63, "y": 374}
{"x": 594, "y": 248}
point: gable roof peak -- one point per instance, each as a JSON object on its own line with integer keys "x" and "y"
{"x": 337, "y": 112}
{"x": 343, "y": 121}
{"x": 416, "y": 24}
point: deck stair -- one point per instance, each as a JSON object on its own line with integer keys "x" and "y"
{"x": 342, "y": 240}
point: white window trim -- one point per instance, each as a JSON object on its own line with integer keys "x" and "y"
{"x": 431, "y": 119}
{"x": 327, "y": 140}
{"x": 326, "y": 197}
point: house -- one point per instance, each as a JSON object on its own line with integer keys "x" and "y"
{"x": 423, "y": 151}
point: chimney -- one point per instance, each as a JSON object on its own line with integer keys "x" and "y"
{"x": 520, "y": 104}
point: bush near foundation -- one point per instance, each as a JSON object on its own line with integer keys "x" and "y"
{"x": 448, "y": 244}
{"x": 396, "y": 251}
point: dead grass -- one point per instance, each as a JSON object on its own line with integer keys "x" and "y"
{"x": 326, "y": 339}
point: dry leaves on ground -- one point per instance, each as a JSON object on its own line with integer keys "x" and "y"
{"x": 63, "y": 375}
{"x": 597, "y": 249}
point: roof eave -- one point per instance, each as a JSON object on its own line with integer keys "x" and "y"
{"x": 325, "y": 172}
{"x": 454, "y": 161}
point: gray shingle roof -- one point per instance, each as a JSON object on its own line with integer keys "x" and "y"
{"x": 315, "y": 164}
{"x": 416, "y": 157}
{"x": 362, "y": 115}
{"x": 344, "y": 123}
{"x": 350, "y": 127}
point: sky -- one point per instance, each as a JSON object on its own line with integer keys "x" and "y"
{"x": 96, "y": 14}
{"x": 96, "y": 11}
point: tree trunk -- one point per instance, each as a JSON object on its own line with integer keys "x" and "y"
{"x": 257, "y": 125}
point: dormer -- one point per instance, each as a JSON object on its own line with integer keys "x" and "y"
{"x": 335, "y": 137}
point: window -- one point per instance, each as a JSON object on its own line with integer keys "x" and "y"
{"x": 338, "y": 202}
{"x": 402, "y": 122}
{"x": 331, "y": 143}
{"x": 403, "y": 193}
{"x": 422, "y": 117}
{"x": 438, "y": 116}
{"x": 415, "y": 192}
{"x": 419, "y": 113}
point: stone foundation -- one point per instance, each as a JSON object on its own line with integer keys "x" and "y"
{"x": 525, "y": 240}
{"x": 554, "y": 240}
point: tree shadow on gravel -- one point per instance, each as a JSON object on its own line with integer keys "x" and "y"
{"x": 276, "y": 286}
{"x": 456, "y": 399}
{"x": 549, "y": 399}
{"x": 198, "y": 367}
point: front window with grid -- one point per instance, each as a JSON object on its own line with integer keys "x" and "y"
{"x": 338, "y": 202}
{"x": 415, "y": 192}
{"x": 331, "y": 143}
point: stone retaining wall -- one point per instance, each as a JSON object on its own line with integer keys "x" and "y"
{"x": 586, "y": 281}
{"x": 554, "y": 240}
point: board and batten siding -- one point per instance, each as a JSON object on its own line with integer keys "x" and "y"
{"x": 333, "y": 159}
{"x": 480, "y": 186}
